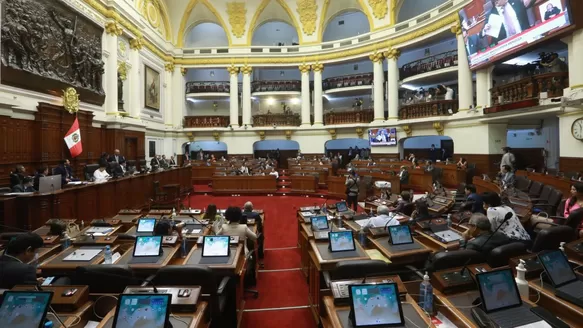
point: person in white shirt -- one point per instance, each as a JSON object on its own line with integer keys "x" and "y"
{"x": 382, "y": 219}
{"x": 507, "y": 159}
{"x": 235, "y": 228}
{"x": 274, "y": 172}
{"x": 496, "y": 212}
{"x": 100, "y": 174}
{"x": 244, "y": 169}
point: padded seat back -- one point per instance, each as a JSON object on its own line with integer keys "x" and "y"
{"x": 448, "y": 260}
{"x": 535, "y": 188}
{"x": 358, "y": 269}
{"x": 501, "y": 255}
{"x": 105, "y": 278}
{"x": 551, "y": 238}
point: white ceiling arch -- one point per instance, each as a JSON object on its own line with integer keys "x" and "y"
{"x": 270, "y": 11}
{"x": 196, "y": 12}
{"x": 339, "y": 7}
{"x": 205, "y": 34}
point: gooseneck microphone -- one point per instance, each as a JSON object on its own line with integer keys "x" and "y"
{"x": 507, "y": 217}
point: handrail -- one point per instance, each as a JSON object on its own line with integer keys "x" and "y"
{"x": 276, "y": 85}
{"x": 428, "y": 64}
{"x": 277, "y": 119}
{"x": 355, "y": 117}
{"x": 207, "y": 86}
{"x": 429, "y": 109}
{"x": 345, "y": 81}
{"x": 216, "y": 121}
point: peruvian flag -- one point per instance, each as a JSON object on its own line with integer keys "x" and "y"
{"x": 73, "y": 139}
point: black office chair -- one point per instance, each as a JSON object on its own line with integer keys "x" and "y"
{"x": 552, "y": 202}
{"x": 448, "y": 260}
{"x": 501, "y": 255}
{"x": 573, "y": 221}
{"x": 408, "y": 209}
{"x": 535, "y": 189}
{"x": 358, "y": 269}
{"x": 217, "y": 294}
{"x": 551, "y": 238}
{"x": 522, "y": 183}
{"x": 105, "y": 278}
{"x": 89, "y": 170}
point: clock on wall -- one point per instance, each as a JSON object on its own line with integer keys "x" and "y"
{"x": 577, "y": 129}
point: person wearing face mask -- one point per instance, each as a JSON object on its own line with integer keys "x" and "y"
{"x": 14, "y": 263}
{"x": 480, "y": 237}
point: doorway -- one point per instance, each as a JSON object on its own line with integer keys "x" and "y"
{"x": 131, "y": 148}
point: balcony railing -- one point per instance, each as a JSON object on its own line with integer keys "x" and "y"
{"x": 207, "y": 86}
{"x": 429, "y": 109}
{"x": 206, "y": 121}
{"x": 361, "y": 116}
{"x": 270, "y": 86}
{"x": 526, "y": 92}
{"x": 347, "y": 81}
{"x": 277, "y": 119}
{"x": 428, "y": 64}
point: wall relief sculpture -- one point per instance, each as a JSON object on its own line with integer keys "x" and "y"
{"x": 47, "y": 47}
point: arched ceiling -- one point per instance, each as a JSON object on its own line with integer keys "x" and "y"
{"x": 272, "y": 10}
{"x": 338, "y": 7}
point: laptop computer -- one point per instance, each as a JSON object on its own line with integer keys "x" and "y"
{"x": 147, "y": 249}
{"x": 320, "y": 227}
{"x": 146, "y": 226}
{"x": 401, "y": 239}
{"x": 375, "y": 305}
{"x": 142, "y": 310}
{"x": 25, "y": 309}
{"x": 501, "y": 299}
{"x": 562, "y": 277}
{"x": 341, "y": 241}
{"x": 342, "y": 209}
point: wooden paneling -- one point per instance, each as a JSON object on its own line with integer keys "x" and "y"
{"x": 485, "y": 164}
{"x": 40, "y": 142}
{"x": 571, "y": 164}
{"x": 230, "y": 184}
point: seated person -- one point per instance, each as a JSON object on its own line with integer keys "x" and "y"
{"x": 64, "y": 169}
{"x": 403, "y": 201}
{"x": 244, "y": 169}
{"x": 572, "y": 204}
{"x": 496, "y": 212}
{"x": 101, "y": 174}
{"x": 382, "y": 219}
{"x": 24, "y": 186}
{"x": 249, "y": 214}
{"x": 479, "y": 231}
{"x": 211, "y": 214}
{"x": 473, "y": 201}
{"x": 43, "y": 171}
{"x": 429, "y": 167}
{"x": 507, "y": 178}
{"x": 462, "y": 164}
{"x": 415, "y": 164}
{"x": 14, "y": 267}
{"x": 166, "y": 227}
{"x": 17, "y": 175}
{"x": 164, "y": 162}
{"x": 421, "y": 211}
{"x": 235, "y": 228}
{"x": 274, "y": 172}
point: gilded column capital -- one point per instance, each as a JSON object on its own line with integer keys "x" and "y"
{"x": 113, "y": 28}
{"x": 408, "y": 130}
{"x": 333, "y": 134}
{"x": 217, "y": 135}
{"x": 288, "y": 134}
{"x": 261, "y": 135}
{"x": 360, "y": 132}
{"x": 137, "y": 43}
{"x": 233, "y": 70}
{"x": 122, "y": 70}
{"x": 377, "y": 57}
{"x": 318, "y": 67}
{"x": 457, "y": 28}
{"x": 304, "y": 68}
{"x": 169, "y": 67}
{"x": 183, "y": 71}
{"x": 246, "y": 70}
{"x": 393, "y": 53}
{"x": 439, "y": 128}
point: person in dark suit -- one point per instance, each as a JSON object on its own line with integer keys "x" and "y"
{"x": 514, "y": 17}
{"x": 433, "y": 153}
{"x": 472, "y": 42}
{"x": 43, "y": 171}
{"x": 117, "y": 157}
{"x": 404, "y": 201}
{"x": 14, "y": 267}
{"x": 17, "y": 175}
{"x": 24, "y": 186}
{"x": 64, "y": 169}
{"x": 249, "y": 214}
{"x": 480, "y": 237}
{"x": 552, "y": 11}
{"x": 172, "y": 161}
{"x": 474, "y": 202}
{"x": 155, "y": 162}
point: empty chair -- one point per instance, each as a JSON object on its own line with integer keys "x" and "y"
{"x": 551, "y": 238}
{"x": 89, "y": 170}
{"x": 105, "y": 278}
{"x": 535, "y": 189}
{"x": 553, "y": 201}
{"x": 522, "y": 183}
{"x": 358, "y": 269}
{"x": 501, "y": 255}
{"x": 544, "y": 195}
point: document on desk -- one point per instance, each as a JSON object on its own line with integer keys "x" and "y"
{"x": 448, "y": 235}
{"x": 99, "y": 231}
{"x": 307, "y": 214}
{"x": 75, "y": 183}
{"x": 538, "y": 324}
{"x": 83, "y": 254}
{"x": 374, "y": 254}
{"x": 362, "y": 222}
{"x": 495, "y": 22}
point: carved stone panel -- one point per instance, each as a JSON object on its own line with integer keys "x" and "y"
{"x": 47, "y": 47}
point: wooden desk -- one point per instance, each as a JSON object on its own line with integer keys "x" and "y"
{"x": 47, "y": 251}
{"x": 202, "y": 174}
{"x": 305, "y": 183}
{"x": 232, "y": 267}
{"x": 55, "y": 265}
{"x": 167, "y": 255}
{"x": 419, "y": 180}
{"x": 483, "y": 186}
{"x": 337, "y": 187}
{"x": 574, "y": 249}
{"x": 435, "y": 244}
{"x": 59, "y": 302}
{"x": 452, "y": 177}
{"x": 562, "y": 184}
{"x": 244, "y": 184}
{"x": 198, "y": 319}
{"x": 566, "y": 311}
{"x": 91, "y": 201}
{"x": 401, "y": 257}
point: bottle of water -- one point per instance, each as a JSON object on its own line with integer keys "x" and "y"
{"x": 448, "y": 221}
{"x": 426, "y": 295}
{"x": 362, "y": 237}
{"x": 107, "y": 255}
{"x": 173, "y": 215}
{"x": 339, "y": 221}
{"x": 66, "y": 242}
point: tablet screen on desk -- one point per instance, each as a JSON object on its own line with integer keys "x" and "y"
{"x": 400, "y": 234}
{"x": 557, "y": 267}
{"x": 498, "y": 290}
{"x": 341, "y": 241}
{"x": 375, "y": 305}
{"x": 148, "y": 246}
{"x": 142, "y": 310}
{"x": 24, "y": 309}
{"x": 319, "y": 222}
{"x": 146, "y": 225}
{"x": 215, "y": 246}
{"x": 341, "y": 207}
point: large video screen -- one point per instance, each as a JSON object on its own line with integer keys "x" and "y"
{"x": 493, "y": 29}
{"x": 382, "y": 137}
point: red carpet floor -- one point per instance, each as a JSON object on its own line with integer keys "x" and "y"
{"x": 277, "y": 289}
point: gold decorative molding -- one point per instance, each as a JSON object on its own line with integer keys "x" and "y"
{"x": 288, "y": 134}
{"x": 169, "y": 67}
{"x": 408, "y": 130}
{"x": 332, "y": 133}
{"x": 233, "y": 70}
{"x": 122, "y": 70}
{"x": 376, "y": 57}
{"x": 183, "y": 71}
{"x": 190, "y": 136}
{"x": 217, "y": 135}
{"x": 71, "y": 100}
{"x": 439, "y": 128}
{"x": 137, "y": 43}
{"x": 393, "y": 53}
{"x": 380, "y": 8}
{"x": 261, "y": 135}
{"x": 318, "y": 67}
{"x": 246, "y": 70}
{"x": 237, "y": 17}
{"x": 394, "y": 11}
{"x": 308, "y": 11}
{"x": 187, "y": 14}
{"x": 304, "y": 68}
{"x": 360, "y": 132}
{"x": 113, "y": 28}
{"x": 457, "y": 28}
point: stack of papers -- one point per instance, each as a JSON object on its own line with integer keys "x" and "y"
{"x": 307, "y": 214}
{"x": 99, "y": 231}
{"x": 374, "y": 254}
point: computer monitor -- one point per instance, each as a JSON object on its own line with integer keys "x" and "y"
{"x": 319, "y": 222}
{"x": 49, "y": 184}
{"x": 400, "y": 234}
{"x": 216, "y": 246}
{"x": 142, "y": 310}
{"x": 341, "y": 241}
{"x": 146, "y": 225}
{"x": 341, "y": 207}
{"x": 25, "y": 309}
{"x": 498, "y": 290}
{"x": 146, "y": 246}
{"x": 557, "y": 267}
{"x": 375, "y": 305}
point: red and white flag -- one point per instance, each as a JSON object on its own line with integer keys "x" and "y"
{"x": 73, "y": 139}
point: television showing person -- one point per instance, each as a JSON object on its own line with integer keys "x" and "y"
{"x": 506, "y": 19}
{"x": 551, "y": 11}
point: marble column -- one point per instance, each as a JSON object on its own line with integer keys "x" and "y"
{"x": 465, "y": 81}
{"x": 378, "y": 92}
{"x": 483, "y": 86}
{"x": 134, "y": 104}
{"x": 247, "y": 71}
{"x": 234, "y": 96}
{"x": 575, "y": 46}
{"x": 112, "y": 31}
{"x": 168, "y": 107}
{"x": 179, "y": 97}
{"x": 318, "y": 101}
{"x": 393, "y": 83}
{"x": 305, "y": 70}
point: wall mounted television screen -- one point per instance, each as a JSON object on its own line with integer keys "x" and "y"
{"x": 382, "y": 137}
{"x": 494, "y": 29}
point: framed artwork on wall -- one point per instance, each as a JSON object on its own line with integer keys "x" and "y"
{"x": 152, "y": 89}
